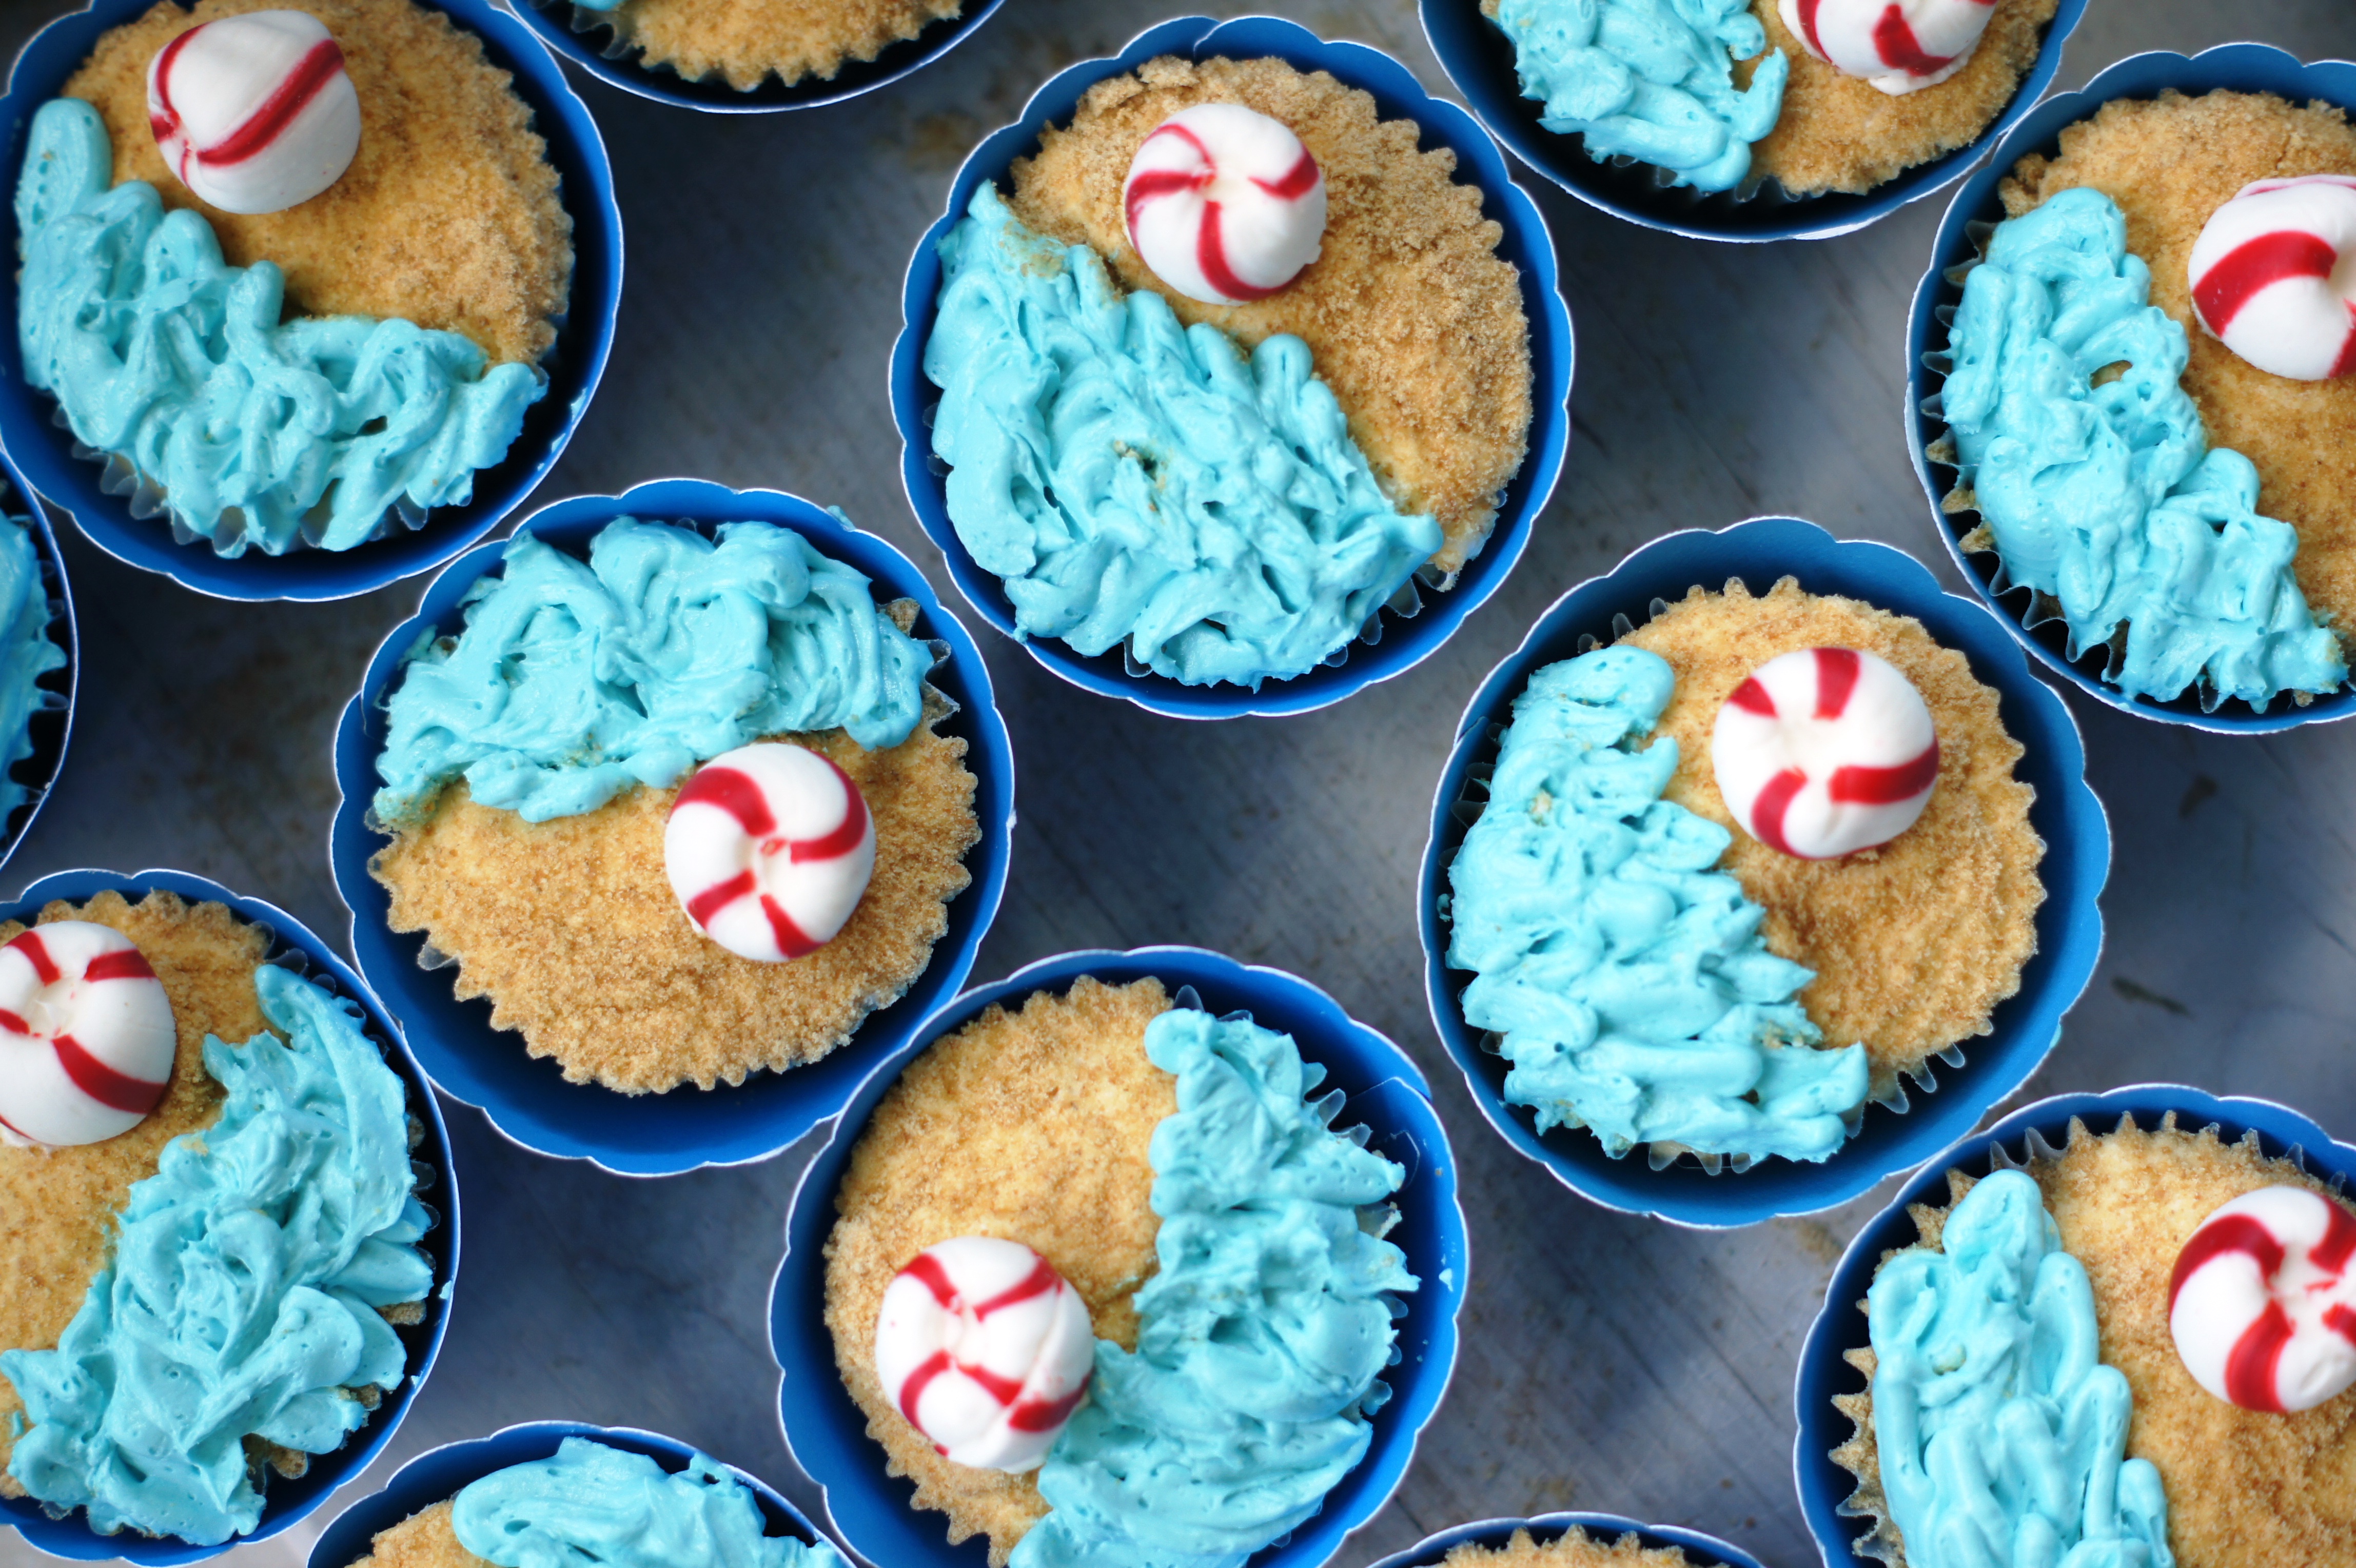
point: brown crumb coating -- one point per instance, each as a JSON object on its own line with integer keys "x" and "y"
{"x": 2245, "y": 1488}
{"x": 1032, "y": 1126}
{"x": 1916, "y": 941}
{"x": 2169, "y": 163}
{"x": 57, "y": 1206}
{"x": 424, "y": 1540}
{"x": 1573, "y": 1549}
{"x": 572, "y": 929}
{"x": 1415, "y": 322}
{"x": 1841, "y": 133}
{"x": 449, "y": 214}
{"x": 748, "y": 41}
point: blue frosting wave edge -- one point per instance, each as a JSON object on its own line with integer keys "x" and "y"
{"x": 2108, "y": 498}
{"x": 256, "y": 434}
{"x": 1133, "y": 481}
{"x": 1626, "y": 977}
{"x": 1261, "y": 1339}
{"x": 26, "y": 654}
{"x": 279, "y": 1230}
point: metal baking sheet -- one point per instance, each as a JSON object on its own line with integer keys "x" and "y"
{"x": 1609, "y": 1363}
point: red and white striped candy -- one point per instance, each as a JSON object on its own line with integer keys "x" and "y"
{"x": 986, "y": 1350}
{"x": 769, "y": 848}
{"x": 1825, "y": 752}
{"x": 2273, "y": 275}
{"x": 1898, "y": 46}
{"x": 1224, "y": 204}
{"x": 2263, "y": 1301}
{"x": 86, "y": 1037}
{"x": 254, "y": 113}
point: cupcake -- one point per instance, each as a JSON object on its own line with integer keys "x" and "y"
{"x": 2140, "y": 1337}
{"x": 218, "y": 1267}
{"x": 1569, "y": 1541}
{"x": 1228, "y": 359}
{"x": 761, "y": 54}
{"x": 347, "y": 225}
{"x": 2164, "y": 469}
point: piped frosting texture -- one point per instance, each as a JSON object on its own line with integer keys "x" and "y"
{"x": 1648, "y": 81}
{"x": 242, "y": 1298}
{"x": 1627, "y": 979}
{"x": 25, "y": 655}
{"x": 1262, "y": 1338}
{"x": 258, "y": 435}
{"x": 2109, "y": 498}
{"x": 575, "y": 681}
{"x": 2001, "y": 1435}
{"x": 1132, "y": 480}
{"x": 591, "y": 1503}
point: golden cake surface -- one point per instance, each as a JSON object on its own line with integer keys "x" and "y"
{"x": 426, "y": 1539}
{"x": 1573, "y": 1549}
{"x": 745, "y": 42}
{"x": 1414, "y": 320}
{"x": 449, "y": 214}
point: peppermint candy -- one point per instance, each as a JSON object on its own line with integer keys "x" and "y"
{"x": 86, "y": 1036}
{"x": 1897, "y": 46}
{"x": 1825, "y": 752}
{"x": 2262, "y": 1304}
{"x": 2273, "y": 275}
{"x": 1224, "y": 204}
{"x": 986, "y": 1349}
{"x": 254, "y": 113}
{"x": 769, "y": 848}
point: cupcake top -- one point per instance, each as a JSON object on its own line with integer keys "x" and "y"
{"x": 747, "y": 42}
{"x": 1574, "y": 1548}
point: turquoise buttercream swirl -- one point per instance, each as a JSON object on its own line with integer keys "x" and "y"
{"x": 2001, "y": 1434}
{"x": 1261, "y": 1339}
{"x": 595, "y": 1505}
{"x": 242, "y": 1298}
{"x": 1650, "y": 80}
{"x": 2109, "y": 499}
{"x": 1135, "y": 481}
{"x": 575, "y": 681}
{"x": 257, "y": 434}
{"x": 25, "y": 655}
{"x": 1628, "y": 978}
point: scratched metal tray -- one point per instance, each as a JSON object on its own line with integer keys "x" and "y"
{"x": 1609, "y": 1363}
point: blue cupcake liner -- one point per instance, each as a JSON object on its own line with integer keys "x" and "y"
{"x": 1701, "y": 1551}
{"x": 1894, "y": 1136}
{"x": 440, "y": 1473}
{"x": 587, "y": 39}
{"x": 284, "y": 1503}
{"x": 526, "y": 1097}
{"x": 52, "y": 728}
{"x": 44, "y": 449}
{"x": 1825, "y": 1486}
{"x": 870, "y": 1512}
{"x": 1392, "y": 643}
{"x": 1977, "y": 207}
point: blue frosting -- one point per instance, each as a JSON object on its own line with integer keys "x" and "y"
{"x": 575, "y": 680}
{"x": 595, "y": 1505}
{"x": 1628, "y": 978}
{"x": 1650, "y": 80}
{"x": 25, "y": 655}
{"x": 1260, "y": 1340}
{"x": 2001, "y": 1434}
{"x": 257, "y": 434}
{"x": 1134, "y": 480}
{"x": 243, "y": 1292}
{"x": 2109, "y": 499}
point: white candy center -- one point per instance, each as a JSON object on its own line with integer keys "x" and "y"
{"x": 1897, "y": 46}
{"x": 2262, "y": 1304}
{"x": 2273, "y": 275}
{"x": 769, "y": 848}
{"x": 86, "y": 1036}
{"x": 1225, "y": 205}
{"x": 1824, "y": 752}
{"x": 254, "y": 113}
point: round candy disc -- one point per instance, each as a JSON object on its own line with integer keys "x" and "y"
{"x": 769, "y": 848}
{"x": 2262, "y": 1303}
{"x": 254, "y": 113}
{"x": 86, "y": 1036}
{"x": 1824, "y": 752}
{"x": 1224, "y": 204}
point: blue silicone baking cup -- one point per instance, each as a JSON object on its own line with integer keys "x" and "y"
{"x": 44, "y": 450}
{"x": 870, "y": 1512}
{"x": 1479, "y": 59}
{"x": 589, "y": 41}
{"x": 1977, "y": 207}
{"x": 1840, "y": 1325}
{"x": 51, "y": 728}
{"x": 1948, "y": 1100}
{"x": 285, "y": 1502}
{"x": 526, "y": 1097}
{"x": 440, "y": 1473}
{"x": 1392, "y": 643}
{"x": 1493, "y": 1534}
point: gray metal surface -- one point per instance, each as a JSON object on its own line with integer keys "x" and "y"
{"x": 1609, "y": 1363}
